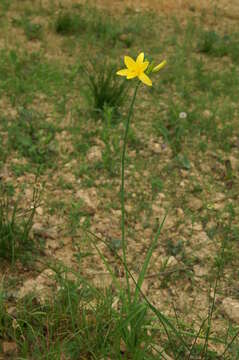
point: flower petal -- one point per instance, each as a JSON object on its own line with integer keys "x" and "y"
{"x": 129, "y": 62}
{"x": 144, "y": 66}
{"x": 131, "y": 75}
{"x": 123, "y": 72}
{"x": 159, "y": 66}
{"x": 145, "y": 79}
{"x": 140, "y": 58}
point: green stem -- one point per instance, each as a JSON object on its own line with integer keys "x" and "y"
{"x": 124, "y": 244}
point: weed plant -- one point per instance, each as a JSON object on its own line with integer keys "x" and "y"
{"x": 213, "y": 44}
{"x": 15, "y": 226}
{"x": 105, "y": 90}
{"x": 106, "y": 29}
{"x": 33, "y": 31}
{"x": 32, "y": 137}
{"x": 70, "y": 24}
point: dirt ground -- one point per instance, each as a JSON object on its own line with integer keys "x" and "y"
{"x": 223, "y": 8}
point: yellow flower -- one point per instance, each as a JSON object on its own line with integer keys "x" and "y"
{"x": 159, "y": 66}
{"x": 136, "y": 69}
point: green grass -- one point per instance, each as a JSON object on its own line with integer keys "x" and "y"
{"x": 106, "y": 90}
{"x": 32, "y": 137}
{"x": 69, "y": 24}
{"x": 15, "y": 226}
{"x": 60, "y": 97}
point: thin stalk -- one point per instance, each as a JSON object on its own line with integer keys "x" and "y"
{"x": 229, "y": 345}
{"x": 124, "y": 244}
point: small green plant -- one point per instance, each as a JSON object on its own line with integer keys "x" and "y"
{"x": 5, "y": 5}
{"x": 32, "y": 136}
{"x": 156, "y": 184}
{"x": 213, "y": 44}
{"x": 33, "y": 31}
{"x": 15, "y": 225}
{"x": 4, "y": 317}
{"x": 69, "y": 24}
{"x": 105, "y": 90}
{"x": 106, "y": 29}
{"x": 208, "y": 41}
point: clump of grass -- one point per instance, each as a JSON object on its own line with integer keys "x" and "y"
{"x": 106, "y": 29}
{"x": 32, "y": 137}
{"x": 214, "y": 44}
{"x": 26, "y": 74}
{"x": 92, "y": 21}
{"x": 106, "y": 91}
{"x": 208, "y": 41}
{"x": 33, "y": 31}
{"x": 15, "y": 226}
{"x": 69, "y": 24}
{"x": 5, "y": 5}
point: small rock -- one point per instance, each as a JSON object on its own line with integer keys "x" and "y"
{"x": 147, "y": 233}
{"x": 195, "y": 204}
{"x": 71, "y": 164}
{"x": 168, "y": 223}
{"x": 158, "y": 211}
{"x": 231, "y": 308}
{"x": 182, "y": 183}
{"x": 123, "y": 37}
{"x": 89, "y": 197}
{"x": 116, "y": 213}
{"x": 200, "y": 271}
{"x": 123, "y": 347}
{"x": 39, "y": 230}
{"x": 180, "y": 212}
{"x": 219, "y": 197}
{"x": 12, "y": 310}
{"x": 68, "y": 177}
{"x": 218, "y": 206}
{"x": 234, "y": 162}
{"x": 39, "y": 210}
{"x": 128, "y": 208}
{"x": 9, "y": 347}
{"x": 40, "y": 285}
{"x": 52, "y": 244}
{"x": 132, "y": 153}
{"x": 207, "y": 113}
{"x": 184, "y": 173}
{"x": 65, "y": 255}
{"x": 161, "y": 196}
{"x": 197, "y": 227}
{"x": 94, "y": 154}
{"x": 99, "y": 143}
{"x": 138, "y": 227}
{"x": 156, "y": 148}
{"x": 170, "y": 261}
{"x": 200, "y": 238}
{"x": 28, "y": 193}
{"x": 146, "y": 173}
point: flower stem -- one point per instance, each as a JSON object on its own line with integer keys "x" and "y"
{"x": 124, "y": 243}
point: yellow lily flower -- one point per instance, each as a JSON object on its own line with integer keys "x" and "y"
{"x": 159, "y": 66}
{"x": 136, "y": 69}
